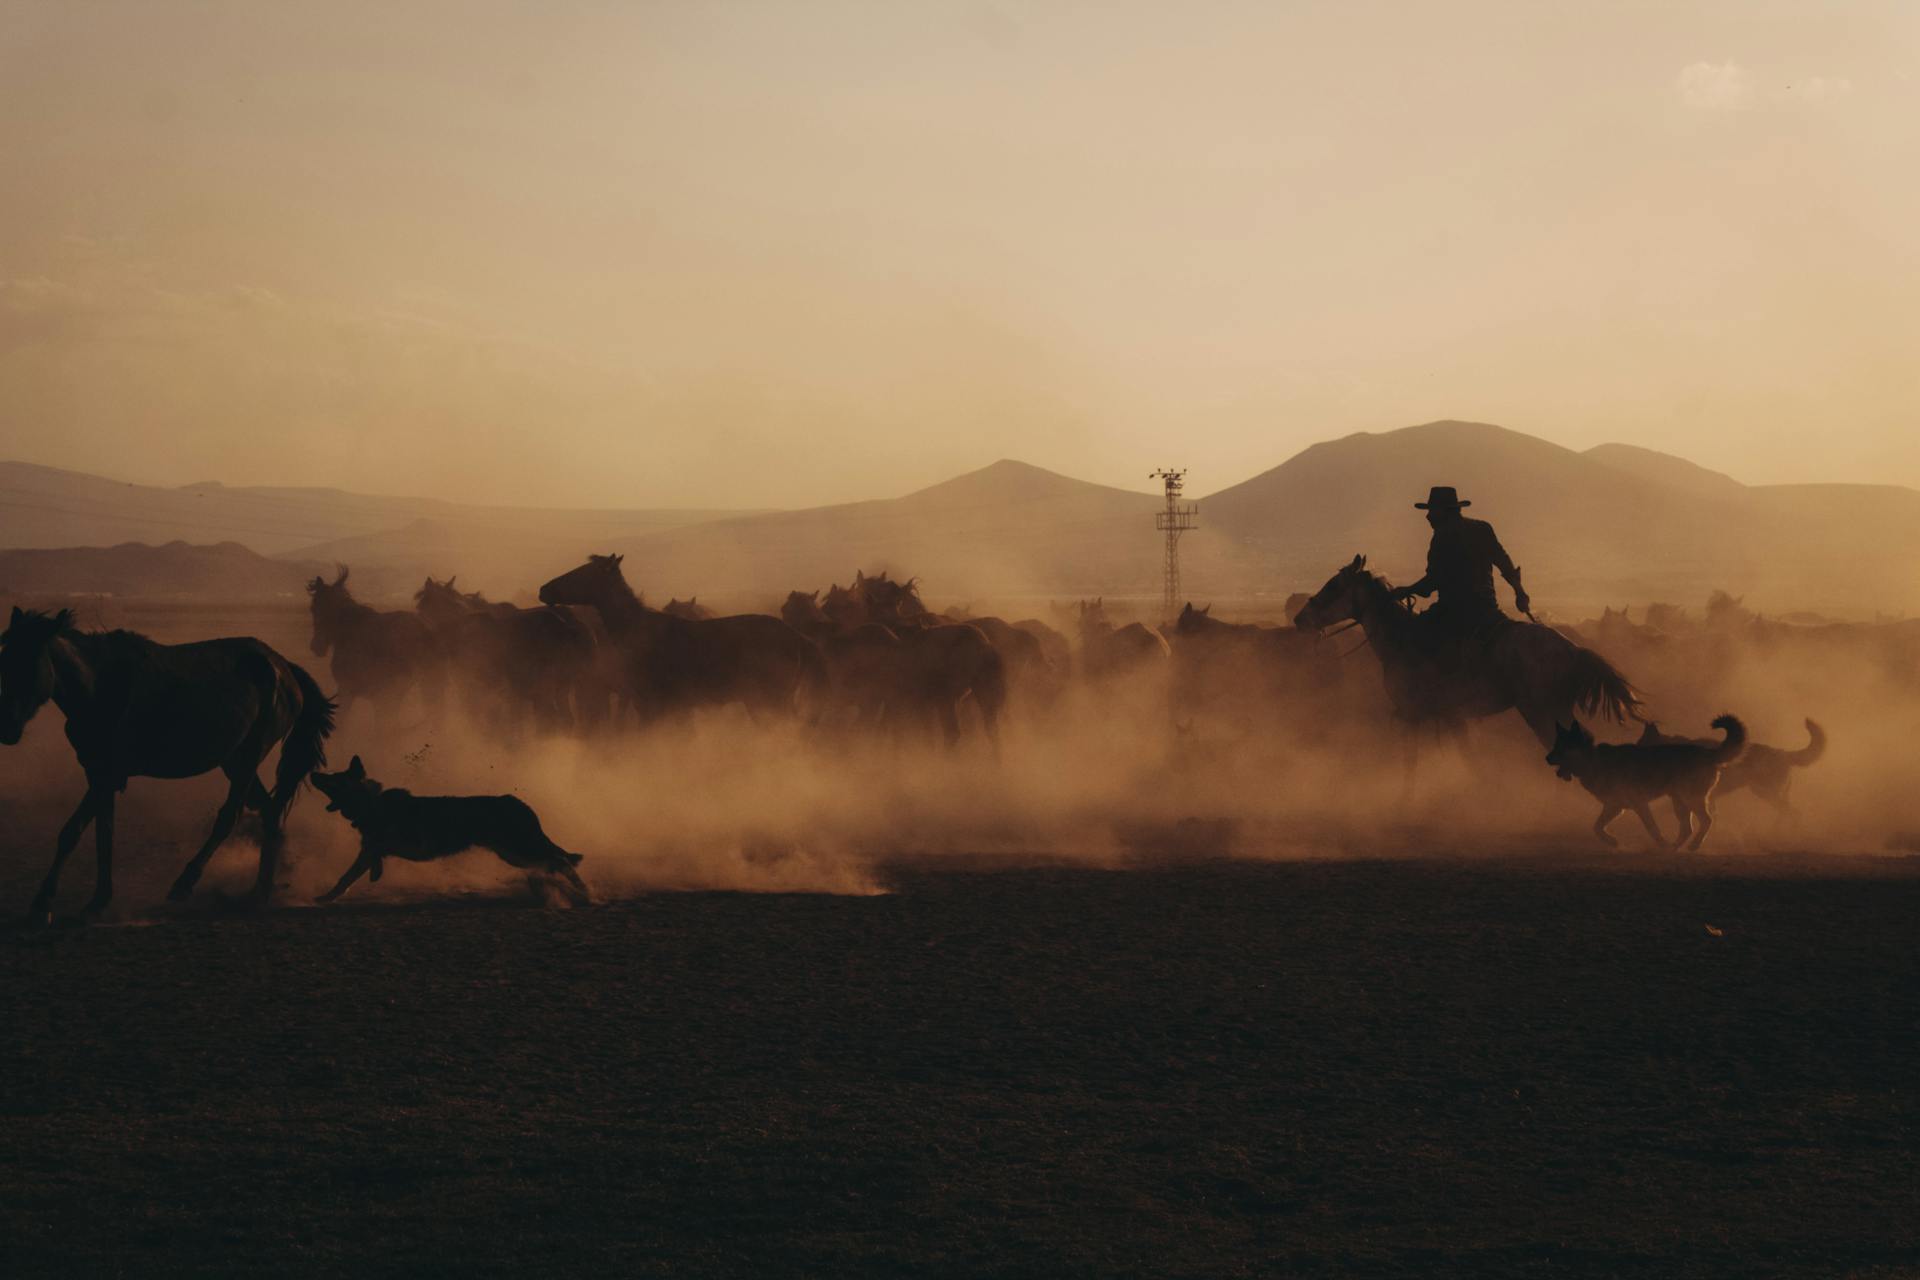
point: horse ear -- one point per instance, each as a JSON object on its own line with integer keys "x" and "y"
{"x": 450, "y": 579}
{"x": 355, "y": 769}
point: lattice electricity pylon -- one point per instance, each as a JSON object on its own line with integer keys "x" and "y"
{"x": 1173, "y": 522}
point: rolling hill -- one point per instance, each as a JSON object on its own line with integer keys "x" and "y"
{"x": 1614, "y": 524}
{"x": 1008, "y": 528}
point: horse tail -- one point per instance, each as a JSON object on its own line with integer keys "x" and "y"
{"x": 1600, "y": 690}
{"x": 1736, "y": 741}
{"x": 305, "y": 748}
{"x": 1815, "y": 748}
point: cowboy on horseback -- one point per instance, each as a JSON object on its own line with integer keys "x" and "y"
{"x": 1460, "y": 564}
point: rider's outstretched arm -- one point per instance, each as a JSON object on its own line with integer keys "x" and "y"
{"x": 1510, "y": 571}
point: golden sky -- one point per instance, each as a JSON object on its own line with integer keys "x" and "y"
{"x": 605, "y": 253}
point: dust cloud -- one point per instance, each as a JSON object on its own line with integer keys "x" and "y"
{"x": 1174, "y": 764}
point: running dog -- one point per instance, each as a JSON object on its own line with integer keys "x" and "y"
{"x": 398, "y": 824}
{"x": 1766, "y": 771}
{"x": 1634, "y": 775}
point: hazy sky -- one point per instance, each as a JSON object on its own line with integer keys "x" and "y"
{"x": 584, "y": 252}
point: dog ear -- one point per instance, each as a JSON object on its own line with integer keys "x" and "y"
{"x": 18, "y": 614}
{"x": 355, "y": 769}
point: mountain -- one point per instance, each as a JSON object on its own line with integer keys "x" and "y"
{"x": 1614, "y": 524}
{"x": 45, "y": 507}
{"x": 1664, "y": 469}
{"x": 1008, "y": 528}
{"x": 224, "y": 570}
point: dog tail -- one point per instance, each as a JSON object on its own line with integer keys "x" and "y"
{"x": 305, "y": 748}
{"x": 1600, "y": 690}
{"x": 1736, "y": 740}
{"x": 1815, "y": 748}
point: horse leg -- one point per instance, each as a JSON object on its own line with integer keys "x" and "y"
{"x": 1607, "y": 814}
{"x": 1544, "y": 723}
{"x": 273, "y": 835}
{"x": 238, "y": 794}
{"x": 949, "y": 722}
{"x": 990, "y": 718}
{"x": 102, "y": 851}
{"x": 69, "y": 839}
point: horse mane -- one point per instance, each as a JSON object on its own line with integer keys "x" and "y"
{"x": 39, "y": 627}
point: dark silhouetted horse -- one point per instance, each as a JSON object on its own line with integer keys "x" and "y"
{"x": 678, "y": 663}
{"x": 690, "y": 609}
{"x": 868, "y": 666}
{"x": 377, "y": 655}
{"x": 519, "y": 663}
{"x": 1110, "y": 652}
{"x": 138, "y": 709}
{"x": 1279, "y": 678}
{"x": 944, "y": 661}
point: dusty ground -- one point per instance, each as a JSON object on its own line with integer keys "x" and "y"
{"x": 1522, "y": 1066}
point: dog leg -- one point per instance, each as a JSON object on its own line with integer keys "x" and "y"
{"x": 1684, "y": 819}
{"x": 361, "y": 865}
{"x": 1706, "y": 824}
{"x": 1645, "y": 815}
{"x": 1600, "y": 824}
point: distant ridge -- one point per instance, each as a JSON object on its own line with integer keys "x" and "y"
{"x": 1613, "y": 524}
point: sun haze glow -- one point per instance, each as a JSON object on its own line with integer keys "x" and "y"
{"x": 777, "y": 254}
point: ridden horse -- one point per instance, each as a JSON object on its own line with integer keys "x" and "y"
{"x": 678, "y": 663}
{"x": 1521, "y": 666}
{"x": 376, "y": 655}
{"x": 139, "y": 709}
{"x": 539, "y": 661}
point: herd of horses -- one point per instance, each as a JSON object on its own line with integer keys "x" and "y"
{"x": 593, "y": 657}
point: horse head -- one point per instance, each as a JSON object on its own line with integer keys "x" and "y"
{"x": 328, "y": 598}
{"x": 597, "y": 582}
{"x": 802, "y": 609}
{"x": 1343, "y": 598}
{"x": 442, "y": 602}
{"x": 26, "y": 667}
{"x": 846, "y": 606}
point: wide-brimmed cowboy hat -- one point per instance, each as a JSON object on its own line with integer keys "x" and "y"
{"x": 1442, "y": 498}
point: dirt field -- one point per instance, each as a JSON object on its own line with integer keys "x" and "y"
{"x": 1523, "y": 1066}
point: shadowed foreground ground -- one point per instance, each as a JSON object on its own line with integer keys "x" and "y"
{"x": 1307, "y": 1068}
